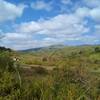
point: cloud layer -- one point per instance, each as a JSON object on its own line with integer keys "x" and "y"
{"x": 57, "y": 30}
{"x": 41, "y": 5}
{"x": 9, "y": 11}
{"x": 80, "y": 26}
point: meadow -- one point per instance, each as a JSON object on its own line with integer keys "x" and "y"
{"x": 52, "y": 73}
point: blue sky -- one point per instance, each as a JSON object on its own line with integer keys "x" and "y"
{"x": 37, "y": 23}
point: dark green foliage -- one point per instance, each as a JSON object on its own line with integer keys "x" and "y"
{"x": 97, "y": 49}
{"x": 6, "y": 63}
{"x": 8, "y": 84}
{"x": 5, "y": 49}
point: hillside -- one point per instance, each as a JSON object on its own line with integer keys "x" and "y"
{"x": 54, "y": 54}
{"x": 59, "y": 73}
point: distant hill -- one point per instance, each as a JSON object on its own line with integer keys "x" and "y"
{"x": 59, "y": 54}
{"x": 43, "y": 48}
{"x": 63, "y": 47}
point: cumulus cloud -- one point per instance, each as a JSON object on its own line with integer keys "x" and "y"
{"x": 92, "y": 9}
{"x": 9, "y": 11}
{"x": 95, "y": 13}
{"x": 61, "y": 24}
{"x": 92, "y": 3}
{"x": 17, "y": 41}
{"x": 41, "y": 5}
{"x": 92, "y": 13}
{"x": 59, "y": 29}
{"x": 97, "y": 30}
{"x": 25, "y": 41}
{"x": 82, "y": 12}
{"x": 56, "y": 30}
{"x": 65, "y": 1}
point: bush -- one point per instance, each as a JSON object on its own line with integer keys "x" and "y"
{"x": 74, "y": 83}
{"x": 97, "y": 49}
{"x": 8, "y": 86}
{"x": 6, "y": 63}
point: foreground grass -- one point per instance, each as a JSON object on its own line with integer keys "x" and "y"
{"x": 63, "y": 84}
{"x": 76, "y": 76}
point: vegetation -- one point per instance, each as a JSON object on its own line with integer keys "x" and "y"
{"x": 68, "y": 73}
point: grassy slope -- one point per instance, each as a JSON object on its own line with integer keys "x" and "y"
{"x": 76, "y": 76}
{"x": 54, "y": 56}
{"x": 81, "y": 62}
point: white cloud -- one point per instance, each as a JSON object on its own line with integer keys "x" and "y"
{"x": 97, "y": 30}
{"x": 16, "y": 40}
{"x": 89, "y": 39}
{"x": 16, "y": 36}
{"x": 93, "y": 13}
{"x": 41, "y": 5}
{"x": 97, "y": 27}
{"x": 82, "y": 12}
{"x": 28, "y": 27}
{"x": 9, "y": 11}
{"x": 66, "y": 1}
{"x": 57, "y": 30}
{"x": 61, "y": 24}
{"x": 92, "y": 9}
{"x": 92, "y": 3}
{"x": 25, "y": 41}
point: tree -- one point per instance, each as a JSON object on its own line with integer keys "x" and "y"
{"x": 97, "y": 49}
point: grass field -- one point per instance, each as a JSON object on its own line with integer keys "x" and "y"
{"x": 66, "y": 73}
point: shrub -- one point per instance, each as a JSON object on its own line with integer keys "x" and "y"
{"x": 6, "y": 63}
{"x": 97, "y": 49}
{"x": 8, "y": 86}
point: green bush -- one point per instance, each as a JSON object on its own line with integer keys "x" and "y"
{"x": 8, "y": 86}
{"x": 6, "y": 63}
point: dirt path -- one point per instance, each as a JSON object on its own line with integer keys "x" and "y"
{"x": 38, "y": 66}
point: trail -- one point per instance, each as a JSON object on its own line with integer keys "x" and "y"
{"x": 49, "y": 68}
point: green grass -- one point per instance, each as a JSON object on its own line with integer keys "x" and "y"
{"x": 75, "y": 74}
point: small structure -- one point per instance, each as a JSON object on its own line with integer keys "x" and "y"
{"x": 16, "y": 66}
{"x": 15, "y": 59}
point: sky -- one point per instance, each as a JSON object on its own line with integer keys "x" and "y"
{"x": 28, "y": 24}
